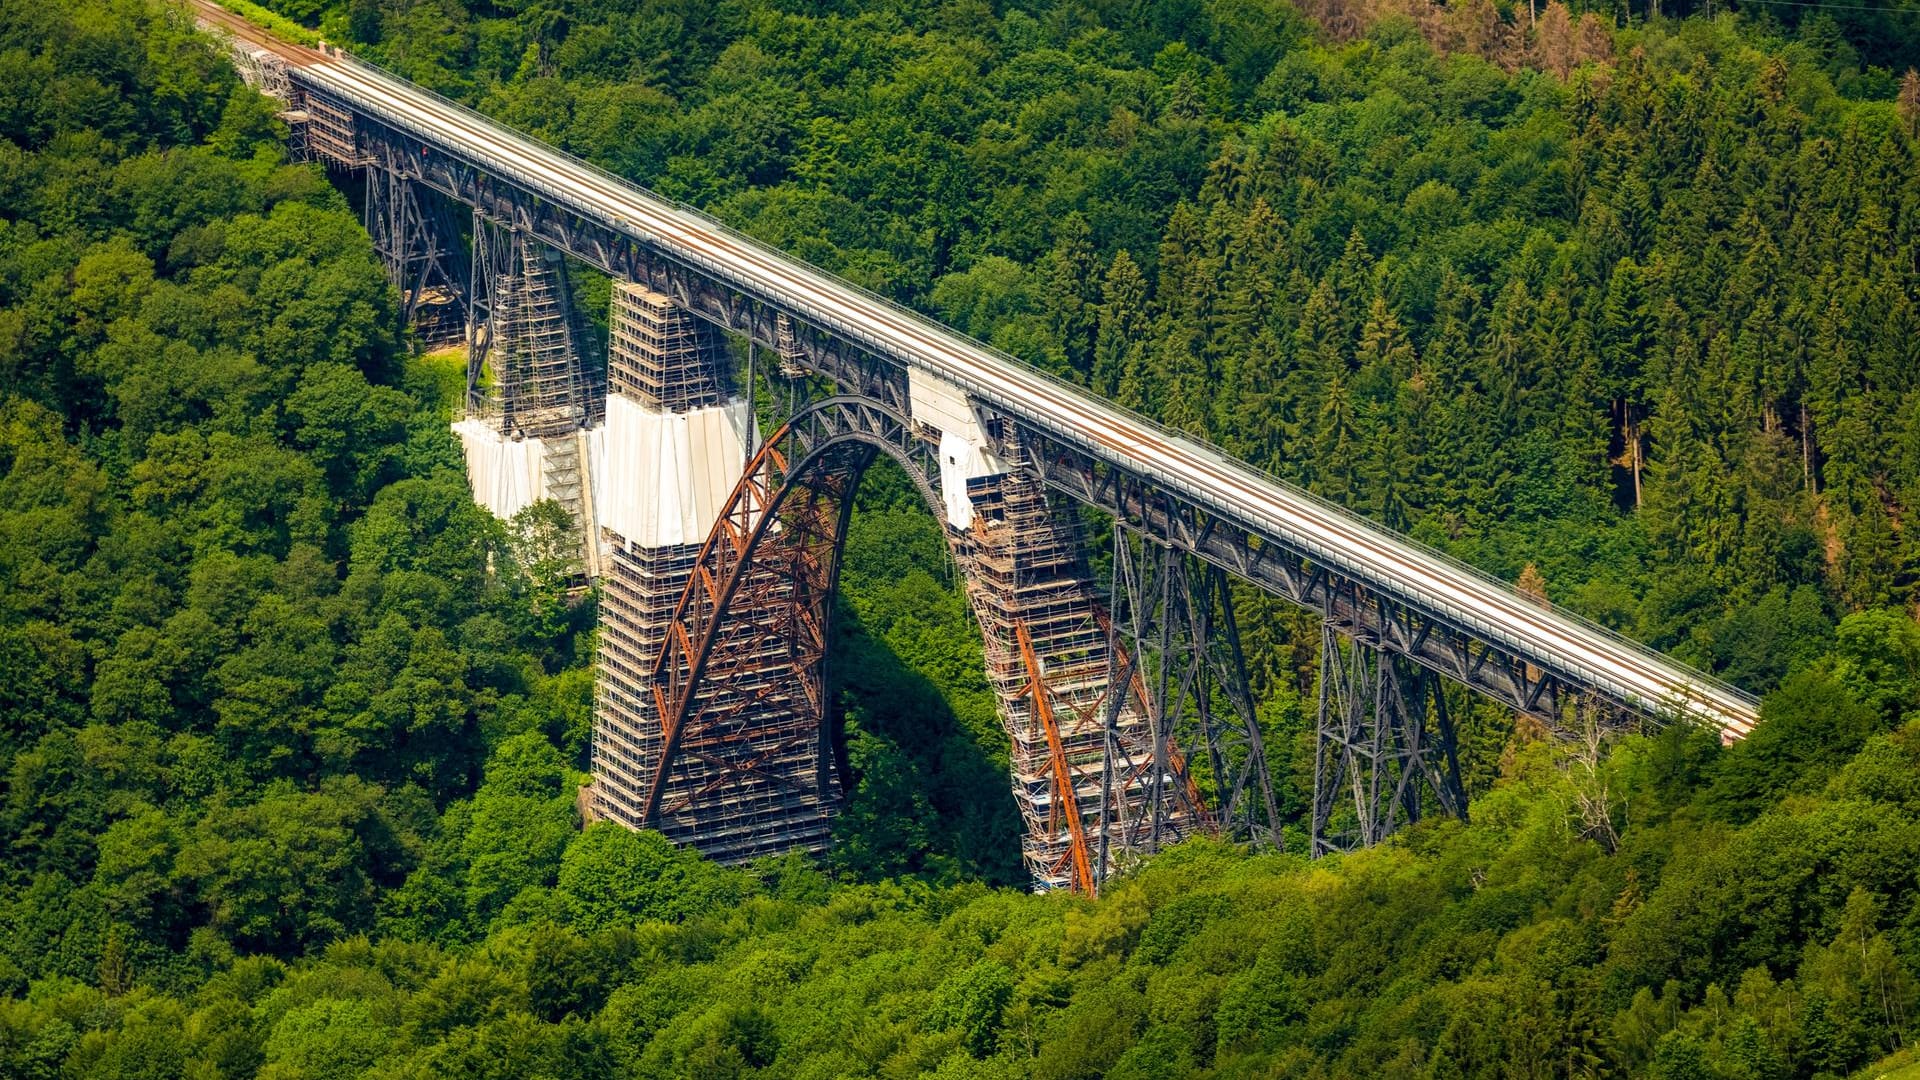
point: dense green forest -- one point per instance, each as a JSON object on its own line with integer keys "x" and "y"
{"x": 1623, "y": 307}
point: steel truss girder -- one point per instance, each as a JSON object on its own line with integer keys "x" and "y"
{"x": 1375, "y": 751}
{"x": 1177, "y": 645}
{"x": 1367, "y": 611}
{"x": 1361, "y": 612}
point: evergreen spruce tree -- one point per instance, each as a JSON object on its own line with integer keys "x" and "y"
{"x": 1071, "y": 292}
{"x": 1123, "y": 323}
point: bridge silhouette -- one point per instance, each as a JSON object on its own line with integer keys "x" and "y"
{"x": 1125, "y": 701}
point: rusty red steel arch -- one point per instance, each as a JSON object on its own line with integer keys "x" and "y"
{"x": 778, "y": 542}
{"x": 775, "y": 553}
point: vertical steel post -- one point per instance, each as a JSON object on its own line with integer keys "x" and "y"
{"x": 1373, "y": 742}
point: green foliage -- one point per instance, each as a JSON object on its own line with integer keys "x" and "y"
{"x": 612, "y": 876}
{"x": 281, "y": 26}
{"x": 290, "y": 725}
{"x": 256, "y": 649}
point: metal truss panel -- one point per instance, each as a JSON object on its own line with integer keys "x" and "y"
{"x": 413, "y": 233}
{"x": 1176, "y": 615}
{"x": 1383, "y": 748}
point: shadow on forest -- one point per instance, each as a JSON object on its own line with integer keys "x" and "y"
{"x": 931, "y": 795}
{"x": 930, "y": 798}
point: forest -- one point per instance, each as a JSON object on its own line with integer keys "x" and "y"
{"x": 1616, "y": 301}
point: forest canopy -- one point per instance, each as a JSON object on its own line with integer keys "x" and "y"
{"x": 1612, "y": 302}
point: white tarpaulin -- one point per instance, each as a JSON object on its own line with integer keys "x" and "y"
{"x": 505, "y": 474}
{"x": 963, "y": 446}
{"x": 664, "y": 477}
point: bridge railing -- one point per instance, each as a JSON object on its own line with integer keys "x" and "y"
{"x": 1693, "y": 680}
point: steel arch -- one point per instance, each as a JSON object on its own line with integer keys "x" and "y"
{"x": 776, "y": 551}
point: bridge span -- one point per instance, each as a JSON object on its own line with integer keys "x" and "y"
{"x": 990, "y": 416}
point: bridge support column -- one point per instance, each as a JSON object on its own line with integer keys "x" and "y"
{"x": 532, "y": 434}
{"x": 1384, "y": 749}
{"x": 414, "y": 234}
{"x": 752, "y": 778}
{"x": 1179, "y": 646}
{"x": 521, "y": 327}
{"x": 1097, "y": 777}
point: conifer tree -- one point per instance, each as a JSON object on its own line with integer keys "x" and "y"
{"x": 1123, "y": 323}
{"x": 1071, "y": 291}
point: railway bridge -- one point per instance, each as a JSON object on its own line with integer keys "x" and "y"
{"x": 718, "y": 551}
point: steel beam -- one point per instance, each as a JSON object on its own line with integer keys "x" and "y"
{"x": 414, "y": 235}
{"x": 1178, "y": 644}
{"x": 1384, "y": 752}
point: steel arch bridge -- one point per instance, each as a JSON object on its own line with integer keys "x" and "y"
{"x": 1128, "y": 703}
{"x": 757, "y": 608}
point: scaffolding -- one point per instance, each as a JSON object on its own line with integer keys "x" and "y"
{"x": 786, "y": 346}
{"x": 736, "y": 791}
{"x": 262, "y": 70}
{"x": 668, "y": 361}
{"x": 751, "y": 779}
{"x": 330, "y": 134}
{"x": 1095, "y": 781}
{"x": 524, "y": 333}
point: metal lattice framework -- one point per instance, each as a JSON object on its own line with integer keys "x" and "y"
{"x": 414, "y": 235}
{"x": 774, "y": 555}
{"x": 1176, "y": 615}
{"x": 1384, "y": 747}
{"x": 1185, "y": 649}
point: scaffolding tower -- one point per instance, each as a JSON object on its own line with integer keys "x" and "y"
{"x": 667, "y": 359}
{"x": 1097, "y": 784}
{"x": 753, "y": 782}
{"x": 329, "y": 134}
{"x": 522, "y": 330}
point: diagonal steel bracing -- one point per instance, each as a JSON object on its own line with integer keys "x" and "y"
{"x": 1383, "y": 592}
{"x": 1176, "y": 616}
{"x": 413, "y": 234}
{"x": 1384, "y": 753}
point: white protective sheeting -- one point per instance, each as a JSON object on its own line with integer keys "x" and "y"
{"x": 665, "y": 477}
{"x": 505, "y": 474}
{"x": 963, "y": 445}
